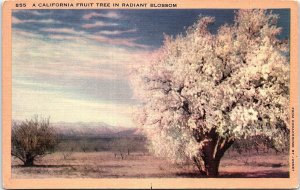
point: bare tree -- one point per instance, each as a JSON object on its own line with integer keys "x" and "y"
{"x": 120, "y": 147}
{"x": 84, "y": 146}
{"x": 67, "y": 155}
{"x": 32, "y": 139}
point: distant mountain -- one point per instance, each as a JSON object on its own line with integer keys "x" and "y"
{"x": 129, "y": 132}
{"x": 94, "y": 129}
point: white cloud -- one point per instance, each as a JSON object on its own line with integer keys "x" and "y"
{"x": 110, "y": 14}
{"x": 15, "y": 20}
{"x": 57, "y": 79}
{"x": 38, "y": 13}
{"x": 115, "y": 32}
{"x": 26, "y": 34}
{"x": 33, "y": 12}
{"x": 129, "y": 42}
{"x": 28, "y": 102}
{"x": 56, "y": 33}
{"x": 80, "y": 57}
{"x": 62, "y": 30}
{"x": 98, "y": 24}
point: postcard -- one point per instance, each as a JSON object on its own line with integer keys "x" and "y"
{"x": 150, "y": 94}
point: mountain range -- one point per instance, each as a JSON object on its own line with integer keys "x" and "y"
{"x": 94, "y": 129}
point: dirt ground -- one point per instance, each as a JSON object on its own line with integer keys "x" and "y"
{"x": 138, "y": 165}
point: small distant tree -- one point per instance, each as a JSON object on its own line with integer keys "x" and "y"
{"x": 67, "y": 154}
{"x": 84, "y": 146}
{"x": 119, "y": 147}
{"x": 32, "y": 139}
{"x": 203, "y": 90}
{"x": 122, "y": 146}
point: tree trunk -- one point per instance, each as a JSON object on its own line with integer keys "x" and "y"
{"x": 211, "y": 153}
{"x": 212, "y": 167}
{"x": 29, "y": 160}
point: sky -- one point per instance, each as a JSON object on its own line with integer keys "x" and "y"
{"x": 73, "y": 65}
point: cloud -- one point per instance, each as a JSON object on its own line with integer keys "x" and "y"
{"x": 41, "y": 21}
{"x": 98, "y": 24}
{"x": 111, "y": 14}
{"x": 62, "y": 107}
{"x": 72, "y": 80}
{"x": 32, "y": 12}
{"x": 129, "y": 42}
{"x": 79, "y": 35}
{"x": 61, "y": 37}
{"x": 115, "y": 32}
{"x": 55, "y": 33}
{"x": 105, "y": 37}
{"x": 26, "y": 34}
{"x": 62, "y": 30}
{"x": 81, "y": 57}
{"x": 69, "y": 34}
{"x": 72, "y": 74}
{"x": 38, "y": 13}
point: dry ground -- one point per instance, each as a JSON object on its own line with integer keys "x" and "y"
{"x": 137, "y": 165}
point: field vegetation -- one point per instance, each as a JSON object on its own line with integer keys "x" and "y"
{"x": 117, "y": 157}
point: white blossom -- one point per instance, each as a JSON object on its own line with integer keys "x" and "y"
{"x": 235, "y": 82}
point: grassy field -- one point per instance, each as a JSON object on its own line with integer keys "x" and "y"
{"x": 141, "y": 165}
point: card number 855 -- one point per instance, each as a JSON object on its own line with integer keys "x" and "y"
{"x": 21, "y": 5}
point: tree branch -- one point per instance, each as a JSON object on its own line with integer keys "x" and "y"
{"x": 224, "y": 146}
{"x": 17, "y": 156}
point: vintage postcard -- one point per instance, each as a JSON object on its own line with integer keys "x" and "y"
{"x": 150, "y": 94}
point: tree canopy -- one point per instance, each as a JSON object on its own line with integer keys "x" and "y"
{"x": 32, "y": 139}
{"x": 201, "y": 90}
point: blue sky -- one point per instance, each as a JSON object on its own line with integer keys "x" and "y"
{"x": 73, "y": 65}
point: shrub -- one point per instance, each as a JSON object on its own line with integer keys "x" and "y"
{"x": 32, "y": 139}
